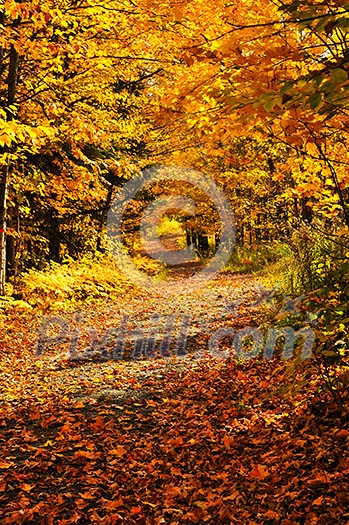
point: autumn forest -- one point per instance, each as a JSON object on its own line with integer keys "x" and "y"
{"x": 174, "y": 262}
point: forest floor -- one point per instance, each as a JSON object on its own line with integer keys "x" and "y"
{"x": 165, "y": 439}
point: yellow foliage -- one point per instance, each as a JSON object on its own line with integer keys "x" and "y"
{"x": 63, "y": 285}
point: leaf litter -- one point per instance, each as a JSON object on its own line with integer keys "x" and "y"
{"x": 167, "y": 441}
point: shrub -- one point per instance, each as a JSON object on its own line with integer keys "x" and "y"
{"x": 249, "y": 259}
{"x": 58, "y": 286}
{"x": 317, "y": 271}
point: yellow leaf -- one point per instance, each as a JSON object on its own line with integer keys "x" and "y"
{"x": 6, "y": 464}
{"x": 119, "y": 451}
{"x": 27, "y": 487}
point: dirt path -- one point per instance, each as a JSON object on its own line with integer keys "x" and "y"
{"x": 178, "y": 324}
{"x": 166, "y": 441}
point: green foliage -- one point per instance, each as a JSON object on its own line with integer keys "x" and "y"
{"x": 249, "y": 259}
{"x": 317, "y": 271}
{"x": 306, "y": 267}
{"x": 315, "y": 260}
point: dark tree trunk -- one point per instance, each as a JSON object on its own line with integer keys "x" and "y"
{"x": 189, "y": 238}
{"x": 103, "y": 219}
{"x": 203, "y": 245}
{"x": 54, "y": 237}
{"x": 10, "y": 255}
{"x": 5, "y": 173}
{"x": 307, "y": 212}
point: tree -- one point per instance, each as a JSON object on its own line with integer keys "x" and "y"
{"x": 274, "y": 72}
{"x": 75, "y": 107}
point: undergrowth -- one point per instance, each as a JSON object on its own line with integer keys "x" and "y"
{"x": 252, "y": 259}
{"x": 60, "y": 286}
{"x": 315, "y": 292}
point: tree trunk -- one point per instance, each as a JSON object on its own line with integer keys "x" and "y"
{"x": 10, "y": 255}
{"x": 103, "y": 219}
{"x": 5, "y": 172}
{"x": 189, "y": 238}
{"x": 203, "y": 245}
{"x": 54, "y": 237}
{"x": 3, "y": 208}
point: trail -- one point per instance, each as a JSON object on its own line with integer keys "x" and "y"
{"x": 179, "y": 323}
{"x": 166, "y": 440}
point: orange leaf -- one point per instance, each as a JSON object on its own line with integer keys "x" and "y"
{"x": 263, "y": 384}
{"x": 270, "y": 514}
{"x": 233, "y": 496}
{"x": 318, "y": 501}
{"x": 119, "y": 451}
{"x": 115, "y": 504}
{"x": 5, "y": 464}
{"x": 228, "y": 441}
{"x": 259, "y": 472}
{"x": 87, "y": 495}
